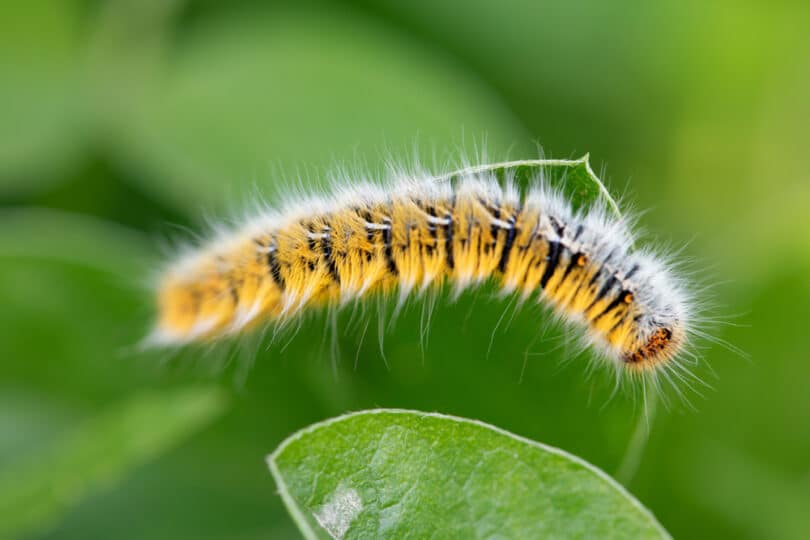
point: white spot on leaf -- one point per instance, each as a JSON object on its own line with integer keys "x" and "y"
{"x": 340, "y": 509}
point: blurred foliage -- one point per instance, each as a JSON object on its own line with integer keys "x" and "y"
{"x": 124, "y": 123}
{"x": 39, "y": 487}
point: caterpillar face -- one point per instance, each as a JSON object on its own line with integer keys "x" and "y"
{"x": 644, "y": 323}
{"x": 418, "y": 234}
{"x": 644, "y": 337}
{"x": 656, "y": 347}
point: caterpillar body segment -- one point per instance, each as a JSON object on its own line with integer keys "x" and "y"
{"x": 416, "y": 233}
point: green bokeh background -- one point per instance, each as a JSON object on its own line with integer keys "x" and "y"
{"x": 124, "y": 123}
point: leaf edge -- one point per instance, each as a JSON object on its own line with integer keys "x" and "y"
{"x": 309, "y": 534}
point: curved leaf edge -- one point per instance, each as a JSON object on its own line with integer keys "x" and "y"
{"x": 584, "y": 161}
{"x": 309, "y": 534}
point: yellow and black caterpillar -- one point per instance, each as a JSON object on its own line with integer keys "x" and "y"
{"x": 416, "y": 232}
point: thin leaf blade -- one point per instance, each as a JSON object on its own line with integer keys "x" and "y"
{"x": 574, "y": 177}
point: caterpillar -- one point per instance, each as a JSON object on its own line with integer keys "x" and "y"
{"x": 415, "y": 232}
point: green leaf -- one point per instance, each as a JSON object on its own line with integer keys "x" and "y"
{"x": 390, "y": 473}
{"x": 574, "y": 177}
{"x": 37, "y": 490}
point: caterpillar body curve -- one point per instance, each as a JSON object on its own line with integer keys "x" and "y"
{"x": 415, "y": 233}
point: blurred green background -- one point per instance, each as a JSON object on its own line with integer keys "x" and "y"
{"x": 125, "y": 123}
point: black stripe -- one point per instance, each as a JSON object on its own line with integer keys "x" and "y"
{"x": 631, "y": 272}
{"x": 579, "y": 288}
{"x": 365, "y": 215}
{"x": 388, "y": 251}
{"x": 275, "y": 268}
{"x": 432, "y": 226}
{"x": 610, "y": 307}
{"x": 508, "y": 244}
{"x": 598, "y": 273}
{"x": 532, "y": 255}
{"x": 509, "y": 241}
{"x": 601, "y": 268}
{"x": 532, "y": 238}
{"x": 448, "y": 240}
{"x": 481, "y": 247}
{"x": 595, "y": 276}
{"x": 234, "y": 291}
{"x": 617, "y": 324}
{"x": 559, "y": 228}
{"x": 603, "y": 291}
{"x": 496, "y": 214}
{"x": 313, "y": 246}
{"x": 605, "y": 288}
{"x": 553, "y": 259}
{"x": 571, "y": 264}
{"x": 328, "y": 255}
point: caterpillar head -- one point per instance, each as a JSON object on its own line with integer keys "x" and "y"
{"x": 653, "y": 347}
{"x": 659, "y": 317}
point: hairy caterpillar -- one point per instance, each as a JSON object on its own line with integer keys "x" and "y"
{"x": 415, "y": 232}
